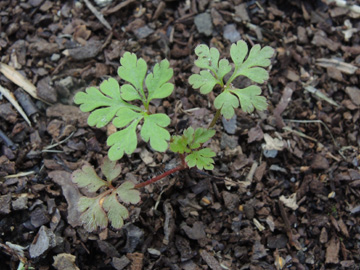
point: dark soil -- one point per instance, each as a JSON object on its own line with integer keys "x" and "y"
{"x": 285, "y": 191}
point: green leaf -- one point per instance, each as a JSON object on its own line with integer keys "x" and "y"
{"x": 207, "y": 58}
{"x": 127, "y": 193}
{"x": 205, "y": 81}
{"x": 179, "y": 145}
{"x": 123, "y": 141}
{"x": 129, "y": 93}
{"x": 201, "y": 159}
{"x": 116, "y": 212}
{"x": 109, "y": 97}
{"x": 87, "y": 178}
{"x": 93, "y": 216}
{"x": 190, "y": 140}
{"x": 157, "y": 82}
{"x": 110, "y": 169}
{"x": 227, "y": 103}
{"x": 133, "y": 70}
{"x": 153, "y": 130}
{"x": 125, "y": 116}
{"x": 201, "y": 136}
{"x": 252, "y": 66}
{"x": 250, "y": 98}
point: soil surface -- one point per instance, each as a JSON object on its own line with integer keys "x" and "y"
{"x": 285, "y": 190}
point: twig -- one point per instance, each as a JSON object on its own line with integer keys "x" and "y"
{"x": 314, "y": 121}
{"x": 8, "y": 142}
{"x": 97, "y": 14}
{"x": 10, "y": 96}
{"x": 58, "y": 143}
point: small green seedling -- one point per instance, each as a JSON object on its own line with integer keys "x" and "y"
{"x": 120, "y": 105}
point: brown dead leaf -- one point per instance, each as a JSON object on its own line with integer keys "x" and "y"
{"x": 81, "y": 34}
{"x": 332, "y": 251}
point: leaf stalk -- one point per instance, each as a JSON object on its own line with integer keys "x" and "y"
{"x": 161, "y": 176}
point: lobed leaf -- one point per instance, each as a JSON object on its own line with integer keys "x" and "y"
{"x": 250, "y": 98}
{"x": 179, "y": 145}
{"x": 201, "y": 136}
{"x": 205, "y": 81}
{"x": 87, "y": 178}
{"x": 123, "y": 141}
{"x": 153, "y": 130}
{"x": 110, "y": 169}
{"x": 207, "y": 58}
{"x": 201, "y": 159}
{"x": 108, "y": 96}
{"x": 127, "y": 193}
{"x": 157, "y": 82}
{"x": 93, "y": 215}
{"x": 226, "y": 102}
{"x": 133, "y": 70}
{"x": 252, "y": 66}
{"x": 116, "y": 212}
{"x": 190, "y": 140}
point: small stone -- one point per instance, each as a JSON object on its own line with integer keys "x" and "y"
{"x": 143, "y": 32}
{"x": 231, "y": 33}
{"x": 320, "y": 163}
{"x": 204, "y": 24}
{"x": 230, "y": 125}
{"x": 55, "y": 57}
{"x": 45, "y": 240}
{"x": 120, "y": 263}
{"x": 20, "y": 203}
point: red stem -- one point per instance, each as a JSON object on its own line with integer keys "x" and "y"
{"x": 159, "y": 177}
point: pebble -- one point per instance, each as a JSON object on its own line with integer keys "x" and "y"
{"x": 231, "y": 33}
{"x": 55, "y": 57}
{"x": 204, "y": 24}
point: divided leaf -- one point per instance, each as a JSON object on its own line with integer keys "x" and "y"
{"x": 214, "y": 72}
{"x": 191, "y": 140}
{"x": 205, "y": 81}
{"x": 86, "y": 177}
{"x": 201, "y": 159}
{"x": 127, "y": 193}
{"x": 123, "y": 141}
{"x": 116, "y": 212}
{"x": 97, "y": 211}
{"x": 93, "y": 215}
{"x": 252, "y": 66}
{"x": 153, "y": 130}
{"x": 250, "y": 98}
{"x": 226, "y": 102}
{"x": 110, "y": 169}
{"x": 157, "y": 81}
{"x": 132, "y": 70}
{"x": 201, "y": 135}
{"x": 107, "y": 101}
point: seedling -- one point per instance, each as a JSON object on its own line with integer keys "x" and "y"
{"x": 120, "y": 105}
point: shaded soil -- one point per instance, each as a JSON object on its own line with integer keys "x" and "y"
{"x": 285, "y": 190}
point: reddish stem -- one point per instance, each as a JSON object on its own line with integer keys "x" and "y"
{"x": 161, "y": 176}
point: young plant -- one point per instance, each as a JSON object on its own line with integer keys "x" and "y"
{"x": 98, "y": 210}
{"x": 214, "y": 71}
{"x": 112, "y": 103}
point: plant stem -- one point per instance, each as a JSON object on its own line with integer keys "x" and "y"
{"x": 161, "y": 176}
{"x": 216, "y": 117}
